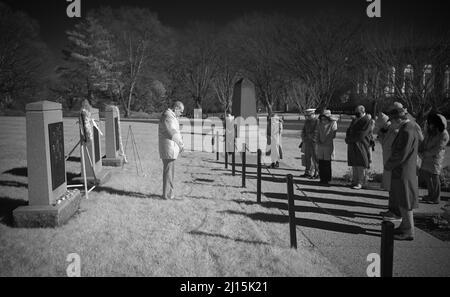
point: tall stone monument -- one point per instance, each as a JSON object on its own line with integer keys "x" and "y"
{"x": 95, "y": 174}
{"x": 112, "y": 137}
{"x": 245, "y": 114}
{"x": 49, "y": 202}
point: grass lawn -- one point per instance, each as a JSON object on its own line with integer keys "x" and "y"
{"x": 124, "y": 229}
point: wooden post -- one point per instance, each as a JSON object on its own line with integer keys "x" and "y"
{"x": 226, "y": 160}
{"x": 291, "y": 210}
{"x": 213, "y": 135}
{"x": 244, "y": 161}
{"x": 233, "y": 163}
{"x": 217, "y": 145}
{"x": 258, "y": 182}
{"x": 387, "y": 248}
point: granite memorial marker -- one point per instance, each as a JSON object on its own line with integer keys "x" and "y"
{"x": 112, "y": 137}
{"x": 50, "y": 204}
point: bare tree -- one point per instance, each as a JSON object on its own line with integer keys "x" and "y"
{"x": 227, "y": 71}
{"x": 319, "y": 54}
{"x": 196, "y": 60}
{"x": 412, "y": 64}
{"x": 255, "y": 40}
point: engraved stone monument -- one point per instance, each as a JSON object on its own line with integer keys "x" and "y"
{"x": 244, "y": 111}
{"x": 95, "y": 174}
{"x": 49, "y": 202}
{"x": 112, "y": 137}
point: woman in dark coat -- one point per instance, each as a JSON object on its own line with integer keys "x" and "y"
{"x": 403, "y": 164}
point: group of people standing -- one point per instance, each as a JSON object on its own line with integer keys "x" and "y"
{"x": 317, "y": 144}
{"x": 408, "y": 152}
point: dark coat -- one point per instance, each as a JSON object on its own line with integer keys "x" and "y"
{"x": 403, "y": 164}
{"x": 358, "y": 142}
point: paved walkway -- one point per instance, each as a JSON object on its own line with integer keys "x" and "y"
{"x": 348, "y": 240}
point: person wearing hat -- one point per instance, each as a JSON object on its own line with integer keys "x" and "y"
{"x": 403, "y": 164}
{"x": 358, "y": 146}
{"x": 387, "y": 132}
{"x": 432, "y": 153}
{"x": 326, "y": 132}
{"x": 309, "y": 139}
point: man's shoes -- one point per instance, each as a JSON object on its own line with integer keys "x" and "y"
{"x": 432, "y": 202}
{"x": 315, "y": 176}
{"x": 425, "y": 199}
{"x": 357, "y": 187}
{"x": 390, "y": 216}
{"x": 324, "y": 183}
{"x": 404, "y": 237}
{"x": 176, "y": 198}
{"x": 306, "y": 175}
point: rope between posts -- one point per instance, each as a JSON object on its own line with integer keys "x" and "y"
{"x": 328, "y": 212}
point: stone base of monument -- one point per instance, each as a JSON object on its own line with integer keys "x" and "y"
{"x": 112, "y": 162}
{"x": 48, "y": 216}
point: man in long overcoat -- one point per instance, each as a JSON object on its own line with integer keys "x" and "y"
{"x": 309, "y": 140}
{"x": 403, "y": 165}
{"x": 326, "y": 131}
{"x": 358, "y": 149}
{"x": 170, "y": 145}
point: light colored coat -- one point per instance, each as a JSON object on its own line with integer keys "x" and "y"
{"x": 326, "y": 132}
{"x": 432, "y": 150}
{"x": 276, "y": 149}
{"x": 170, "y": 140}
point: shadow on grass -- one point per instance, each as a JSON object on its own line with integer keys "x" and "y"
{"x": 19, "y": 171}
{"x": 211, "y": 185}
{"x": 315, "y": 224}
{"x": 227, "y": 237}
{"x": 11, "y": 183}
{"x": 313, "y": 209}
{"x": 74, "y": 159}
{"x": 130, "y": 194}
{"x": 205, "y": 180}
{"x": 7, "y": 206}
{"x": 343, "y": 193}
{"x": 325, "y": 201}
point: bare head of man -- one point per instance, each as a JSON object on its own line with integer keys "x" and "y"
{"x": 178, "y": 108}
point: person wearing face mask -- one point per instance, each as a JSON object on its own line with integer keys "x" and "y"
{"x": 170, "y": 145}
{"x": 432, "y": 153}
{"x": 358, "y": 146}
{"x": 309, "y": 140}
{"x": 402, "y": 163}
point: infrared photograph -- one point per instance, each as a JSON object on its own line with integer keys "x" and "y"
{"x": 224, "y": 147}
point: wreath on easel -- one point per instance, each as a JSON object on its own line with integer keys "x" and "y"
{"x": 86, "y": 129}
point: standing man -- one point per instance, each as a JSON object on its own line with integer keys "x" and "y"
{"x": 432, "y": 152}
{"x": 309, "y": 140}
{"x": 276, "y": 150}
{"x": 326, "y": 131}
{"x": 170, "y": 145}
{"x": 403, "y": 164}
{"x": 358, "y": 149}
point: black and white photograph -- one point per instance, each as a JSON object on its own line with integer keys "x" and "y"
{"x": 218, "y": 147}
